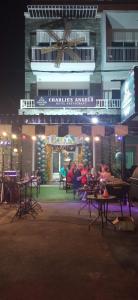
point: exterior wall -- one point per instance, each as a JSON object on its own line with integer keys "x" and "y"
{"x": 101, "y": 37}
{"x": 31, "y": 25}
{"x": 111, "y": 68}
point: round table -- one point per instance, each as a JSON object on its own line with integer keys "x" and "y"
{"x": 102, "y": 208}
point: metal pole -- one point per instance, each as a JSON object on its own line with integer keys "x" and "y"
{"x": 123, "y": 157}
{"x": 94, "y": 153}
{"x": 33, "y": 156}
{"x": 11, "y": 154}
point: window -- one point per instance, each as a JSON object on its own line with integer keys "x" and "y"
{"x": 42, "y": 92}
{"x": 54, "y": 93}
{"x": 107, "y": 94}
{"x": 117, "y": 44}
{"x": 79, "y": 92}
{"x": 129, "y": 44}
{"x": 85, "y": 92}
{"x": 64, "y": 93}
{"x": 73, "y": 93}
{"x": 116, "y": 94}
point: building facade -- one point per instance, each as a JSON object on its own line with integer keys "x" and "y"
{"x": 77, "y": 57}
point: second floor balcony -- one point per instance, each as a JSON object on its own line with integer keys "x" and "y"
{"x": 85, "y": 54}
{"x": 100, "y": 106}
{"x": 122, "y": 54}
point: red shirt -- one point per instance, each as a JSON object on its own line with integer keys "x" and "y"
{"x": 84, "y": 173}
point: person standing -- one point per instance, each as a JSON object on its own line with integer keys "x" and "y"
{"x": 77, "y": 179}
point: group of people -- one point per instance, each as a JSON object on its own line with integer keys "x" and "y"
{"x": 79, "y": 174}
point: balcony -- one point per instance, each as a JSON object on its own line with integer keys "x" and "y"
{"x": 122, "y": 54}
{"x": 106, "y": 104}
{"x": 62, "y": 11}
{"x": 86, "y": 54}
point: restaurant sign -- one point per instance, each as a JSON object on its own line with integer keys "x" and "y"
{"x": 64, "y": 101}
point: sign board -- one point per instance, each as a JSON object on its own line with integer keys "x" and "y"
{"x": 64, "y": 102}
{"x": 129, "y": 96}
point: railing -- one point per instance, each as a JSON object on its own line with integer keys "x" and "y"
{"x": 122, "y": 54}
{"x": 100, "y": 104}
{"x": 27, "y": 103}
{"x": 108, "y": 103}
{"x": 85, "y": 54}
{"x": 62, "y": 11}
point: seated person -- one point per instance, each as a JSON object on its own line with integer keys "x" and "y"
{"x": 70, "y": 174}
{"x": 84, "y": 175}
{"x": 105, "y": 174}
{"x": 63, "y": 172}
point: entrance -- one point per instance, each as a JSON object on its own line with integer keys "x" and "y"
{"x": 58, "y": 161}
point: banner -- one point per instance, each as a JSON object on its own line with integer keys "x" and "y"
{"x": 75, "y": 130}
{"x": 51, "y": 130}
{"x": 28, "y": 130}
{"x": 64, "y": 101}
{"x": 98, "y": 130}
{"x": 121, "y": 130}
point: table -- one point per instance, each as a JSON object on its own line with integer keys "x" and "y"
{"x": 27, "y": 205}
{"x": 102, "y": 208}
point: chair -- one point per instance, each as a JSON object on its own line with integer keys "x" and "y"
{"x": 68, "y": 184}
{"x": 121, "y": 192}
{"x": 62, "y": 182}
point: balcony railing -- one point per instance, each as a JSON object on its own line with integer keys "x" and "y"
{"x": 85, "y": 54}
{"x": 122, "y": 54}
{"x": 100, "y": 104}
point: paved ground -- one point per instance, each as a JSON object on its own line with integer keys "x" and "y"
{"x": 56, "y": 257}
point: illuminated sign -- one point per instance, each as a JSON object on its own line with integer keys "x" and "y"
{"x": 129, "y": 96}
{"x": 64, "y": 101}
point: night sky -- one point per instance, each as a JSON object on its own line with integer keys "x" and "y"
{"x": 11, "y": 56}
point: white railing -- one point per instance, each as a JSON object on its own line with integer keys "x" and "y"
{"x": 108, "y": 103}
{"x": 27, "y": 103}
{"x": 62, "y": 11}
{"x": 122, "y": 54}
{"x": 85, "y": 54}
{"x": 100, "y": 104}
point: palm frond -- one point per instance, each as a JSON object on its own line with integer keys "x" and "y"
{"x": 72, "y": 54}
{"x": 76, "y": 42}
{"x": 59, "y": 57}
{"x": 48, "y": 49}
{"x": 53, "y": 35}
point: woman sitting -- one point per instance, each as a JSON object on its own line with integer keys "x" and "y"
{"x": 105, "y": 174}
{"x": 84, "y": 175}
{"x": 70, "y": 174}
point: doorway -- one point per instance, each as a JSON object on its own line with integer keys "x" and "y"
{"x": 58, "y": 161}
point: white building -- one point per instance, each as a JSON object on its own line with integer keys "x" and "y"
{"x": 76, "y": 59}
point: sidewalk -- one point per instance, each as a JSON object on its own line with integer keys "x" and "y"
{"x": 56, "y": 257}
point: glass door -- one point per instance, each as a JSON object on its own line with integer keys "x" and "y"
{"x": 58, "y": 162}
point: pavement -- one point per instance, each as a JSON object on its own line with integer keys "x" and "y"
{"x": 54, "y": 256}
